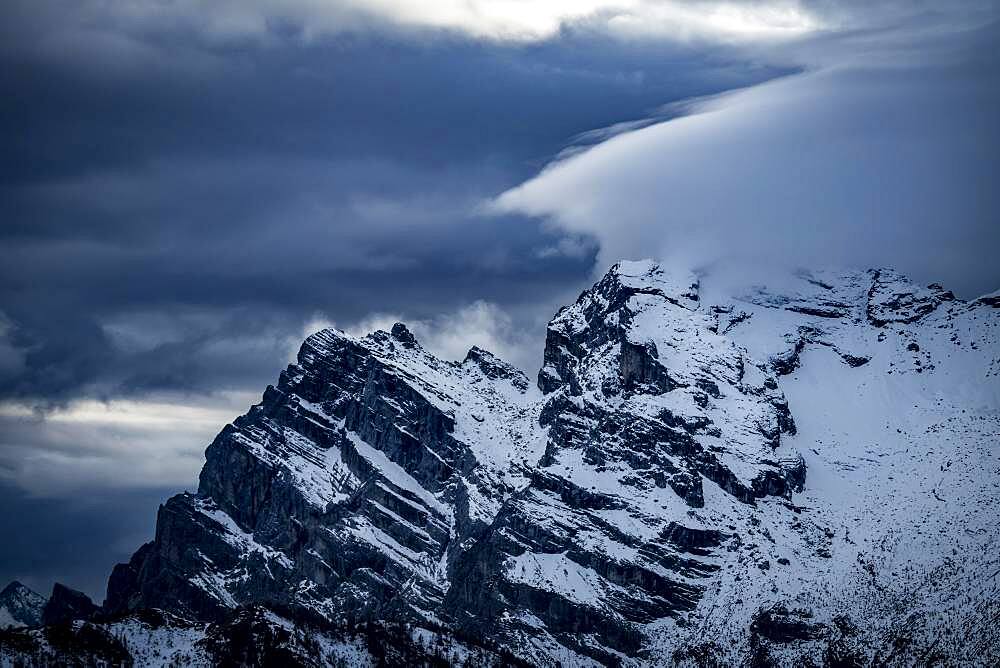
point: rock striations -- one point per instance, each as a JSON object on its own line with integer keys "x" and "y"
{"x": 802, "y": 474}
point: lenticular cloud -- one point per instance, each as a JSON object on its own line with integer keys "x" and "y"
{"x": 859, "y": 160}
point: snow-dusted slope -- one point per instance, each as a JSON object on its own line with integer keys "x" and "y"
{"x": 895, "y": 393}
{"x": 20, "y": 606}
{"x": 804, "y": 472}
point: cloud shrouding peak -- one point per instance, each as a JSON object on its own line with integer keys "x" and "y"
{"x": 880, "y": 159}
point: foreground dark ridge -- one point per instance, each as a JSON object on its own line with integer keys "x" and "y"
{"x": 801, "y": 473}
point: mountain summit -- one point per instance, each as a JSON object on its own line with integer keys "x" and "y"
{"x": 20, "y": 606}
{"x": 798, "y": 473}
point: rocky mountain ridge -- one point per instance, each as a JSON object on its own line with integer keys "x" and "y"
{"x": 801, "y": 473}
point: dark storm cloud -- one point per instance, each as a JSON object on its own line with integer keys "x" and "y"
{"x": 271, "y": 182}
{"x": 429, "y": 101}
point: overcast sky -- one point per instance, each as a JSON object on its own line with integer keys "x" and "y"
{"x": 189, "y": 188}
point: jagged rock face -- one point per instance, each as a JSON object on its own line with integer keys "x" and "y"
{"x": 893, "y": 299}
{"x": 348, "y": 489}
{"x": 643, "y": 401}
{"x": 755, "y": 468}
{"x": 647, "y": 381}
{"x": 65, "y": 605}
{"x": 20, "y": 606}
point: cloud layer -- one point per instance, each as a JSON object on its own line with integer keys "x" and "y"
{"x": 119, "y": 445}
{"x": 883, "y": 152}
{"x": 117, "y": 24}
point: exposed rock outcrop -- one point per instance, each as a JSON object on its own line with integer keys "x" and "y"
{"x": 66, "y": 605}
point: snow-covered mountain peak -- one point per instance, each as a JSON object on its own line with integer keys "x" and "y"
{"x": 495, "y": 368}
{"x": 20, "y": 606}
{"x": 680, "y": 287}
{"x": 766, "y": 475}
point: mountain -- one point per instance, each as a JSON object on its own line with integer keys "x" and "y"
{"x": 67, "y": 604}
{"x": 20, "y": 606}
{"x": 802, "y": 473}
